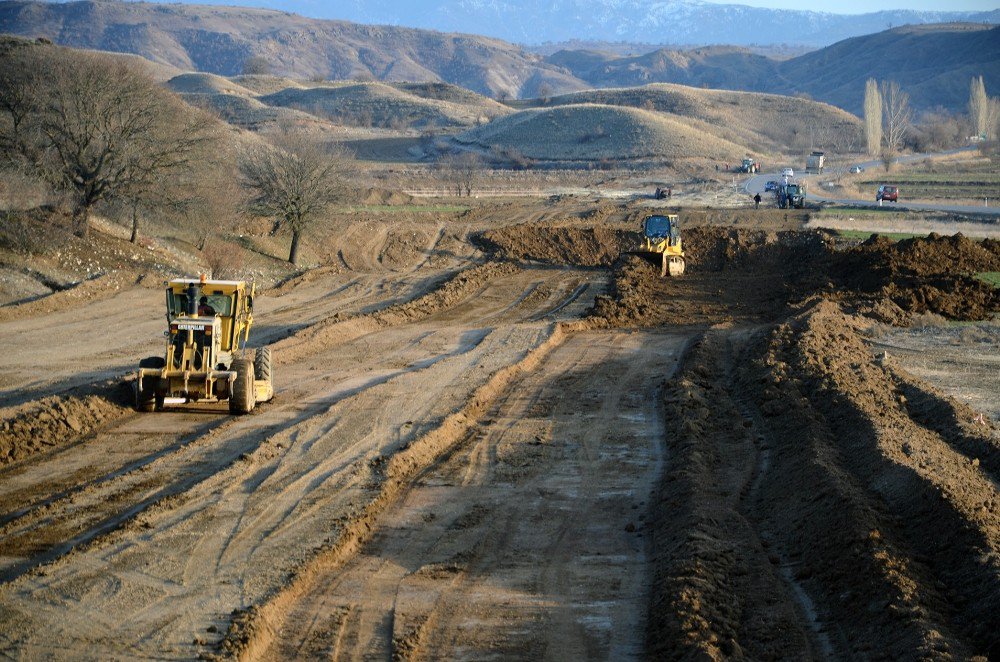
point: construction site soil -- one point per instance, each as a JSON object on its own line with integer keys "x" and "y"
{"x": 500, "y": 434}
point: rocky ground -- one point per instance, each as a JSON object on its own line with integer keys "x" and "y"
{"x": 496, "y": 433}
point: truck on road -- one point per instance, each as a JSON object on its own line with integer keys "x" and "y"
{"x": 814, "y": 162}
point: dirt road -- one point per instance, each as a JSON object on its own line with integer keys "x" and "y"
{"x": 523, "y": 447}
{"x": 527, "y": 542}
{"x": 196, "y": 513}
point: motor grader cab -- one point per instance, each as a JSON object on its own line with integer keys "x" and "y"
{"x": 661, "y": 244}
{"x": 208, "y": 323}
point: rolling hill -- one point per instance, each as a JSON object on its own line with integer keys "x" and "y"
{"x": 592, "y": 132}
{"x": 253, "y": 101}
{"x": 221, "y": 40}
{"x": 933, "y": 63}
{"x": 760, "y": 122}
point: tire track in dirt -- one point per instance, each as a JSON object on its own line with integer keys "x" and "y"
{"x": 61, "y": 518}
{"x": 716, "y": 592}
{"x": 497, "y": 544}
{"x": 321, "y": 487}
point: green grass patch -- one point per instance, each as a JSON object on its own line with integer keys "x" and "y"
{"x": 858, "y": 211}
{"x": 991, "y": 277}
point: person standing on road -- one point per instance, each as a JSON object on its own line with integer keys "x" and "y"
{"x": 756, "y": 200}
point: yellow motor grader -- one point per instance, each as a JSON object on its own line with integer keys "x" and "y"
{"x": 661, "y": 244}
{"x": 208, "y": 322}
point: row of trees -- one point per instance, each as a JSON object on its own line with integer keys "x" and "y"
{"x": 888, "y": 118}
{"x": 101, "y": 132}
{"x": 984, "y": 111}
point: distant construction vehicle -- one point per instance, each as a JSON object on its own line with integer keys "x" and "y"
{"x": 814, "y": 162}
{"x": 749, "y": 165}
{"x": 791, "y": 195}
{"x": 661, "y": 244}
{"x": 208, "y": 323}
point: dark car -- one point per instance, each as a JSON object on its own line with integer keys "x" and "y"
{"x": 887, "y": 193}
{"x": 771, "y": 186}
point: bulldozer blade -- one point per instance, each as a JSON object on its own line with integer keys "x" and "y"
{"x": 674, "y": 266}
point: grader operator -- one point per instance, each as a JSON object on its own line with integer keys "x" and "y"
{"x": 208, "y": 322}
{"x": 661, "y": 244}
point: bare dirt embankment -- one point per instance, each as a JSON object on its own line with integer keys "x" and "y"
{"x": 812, "y": 479}
{"x": 822, "y": 472}
{"x": 474, "y": 457}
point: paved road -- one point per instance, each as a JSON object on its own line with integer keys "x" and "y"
{"x": 755, "y": 184}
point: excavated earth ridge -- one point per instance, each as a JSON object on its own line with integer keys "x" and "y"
{"x": 818, "y": 501}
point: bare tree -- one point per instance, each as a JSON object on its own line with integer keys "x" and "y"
{"x": 873, "y": 117}
{"x": 101, "y": 128}
{"x": 978, "y": 106}
{"x": 294, "y": 181}
{"x": 896, "y": 116}
{"x": 461, "y": 169}
{"x": 993, "y": 119}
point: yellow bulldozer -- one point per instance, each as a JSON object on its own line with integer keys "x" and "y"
{"x": 661, "y": 244}
{"x": 208, "y": 323}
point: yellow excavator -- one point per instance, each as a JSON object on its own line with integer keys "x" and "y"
{"x": 208, "y": 322}
{"x": 661, "y": 244}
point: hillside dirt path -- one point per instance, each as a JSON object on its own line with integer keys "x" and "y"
{"x": 529, "y": 541}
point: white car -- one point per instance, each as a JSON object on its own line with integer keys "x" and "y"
{"x": 787, "y": 172}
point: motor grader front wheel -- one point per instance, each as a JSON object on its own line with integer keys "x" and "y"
{"x": 243, "y": 396}
{"x": 147, "y": 398}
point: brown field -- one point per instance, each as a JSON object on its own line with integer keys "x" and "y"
{"x": 498, "y": 435}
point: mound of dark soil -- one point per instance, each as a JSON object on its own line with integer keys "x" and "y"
{"x": 584, "y": 247}
{"x": 62, "y": 419}
{"x": 917, "y": 481}
{"x": 932, "y": 274}
{"x": 804, "y": 465}
{"x": 736, "y": 274}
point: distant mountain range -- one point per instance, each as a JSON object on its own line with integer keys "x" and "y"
{"x": 933, "y": 63}
{"x": 675, "y": 22}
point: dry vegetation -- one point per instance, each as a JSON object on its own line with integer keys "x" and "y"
{"x": 762, "y": 122}
{"x": 590, "y": 132}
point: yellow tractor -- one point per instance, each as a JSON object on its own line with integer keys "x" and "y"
{"x": 208, "y": 322}
{"x": 661, "y": 244}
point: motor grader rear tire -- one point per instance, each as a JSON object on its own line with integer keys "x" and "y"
{"x": 243, "y": 398}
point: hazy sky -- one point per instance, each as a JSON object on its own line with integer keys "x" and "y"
{"x": 866, "y": 6}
